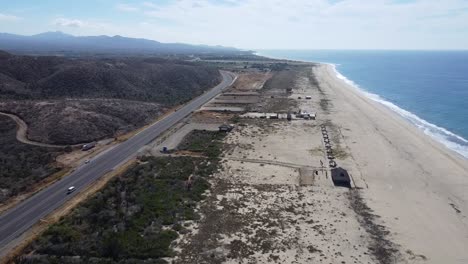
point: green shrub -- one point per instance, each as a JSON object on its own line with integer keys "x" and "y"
{"x": 208, "y": 143}
{"x": 131, "y": 218}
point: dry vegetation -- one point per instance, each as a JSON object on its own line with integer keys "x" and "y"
{"x": 21, "y": 165}
{"x": 143, "y": 79}
{"x": 66, "y": 122}
{"x": 135, "y": 217}
{"x": 86, "y": 99}
{"x": 67, "y": 101}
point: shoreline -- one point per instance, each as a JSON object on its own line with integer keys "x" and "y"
{"x": 415, "y": 184}
{"x": 410, "y": 126}
{"x": 436, "y": 132}
{"x": 408, "y": 116}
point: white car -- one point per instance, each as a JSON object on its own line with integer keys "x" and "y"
{"x": 86, "y": 161}
{"x": 71, "y": 189}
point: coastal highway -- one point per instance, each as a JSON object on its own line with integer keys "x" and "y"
{"x": 20, "y": 218}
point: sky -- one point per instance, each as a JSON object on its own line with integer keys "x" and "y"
{"x": 253, "y": 24}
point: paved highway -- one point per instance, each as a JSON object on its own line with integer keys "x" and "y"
{"x": 17, "y": 220}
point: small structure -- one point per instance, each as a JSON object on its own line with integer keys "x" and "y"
{"x": 88, "y": 146}
{"x": 226, "y": 128}
{"x": 164, "y": 150}
{"x": 340, "y": 177}
{"x": 301, "y": 114}
{"x": 274, "y": 116}
{"x": 306, "y": 115}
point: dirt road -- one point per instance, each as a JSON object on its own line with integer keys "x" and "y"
{"x": 22, "y": 133}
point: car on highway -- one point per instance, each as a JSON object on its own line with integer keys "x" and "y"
{"x": 71, "y": 189}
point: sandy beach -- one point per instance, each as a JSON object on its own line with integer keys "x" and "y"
{"x": 273, "y": 202}
{"x": 417, "y": 186}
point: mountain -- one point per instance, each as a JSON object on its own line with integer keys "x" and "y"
{"x": 59, "y": 42}
{"x": 52, "y": 35}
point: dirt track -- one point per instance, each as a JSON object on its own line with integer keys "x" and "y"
{"x": 22, "y": 133}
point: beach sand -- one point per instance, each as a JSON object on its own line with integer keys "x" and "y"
{"x": 417, "y": 186}
{"x": 271, "y": 202}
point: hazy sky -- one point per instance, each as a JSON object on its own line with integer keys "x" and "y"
{"x": 254, "y": 24}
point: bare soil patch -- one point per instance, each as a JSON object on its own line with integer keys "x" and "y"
{"x": 251, "y": 81}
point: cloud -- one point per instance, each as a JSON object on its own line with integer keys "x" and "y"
{"x": 83, "y": 26}
{"x": 293, "y": 24}
{"x": 150, "y": 5}
{"x": 65, "y": 22}
{"x": 126, "y": 8}
{"x": 314, "y": 23}
{"x": 7, "y": 17}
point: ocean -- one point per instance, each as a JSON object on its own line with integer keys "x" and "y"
{"x": 427, "y": 88}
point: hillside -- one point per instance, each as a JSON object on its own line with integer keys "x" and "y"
{"x": 65, "y": 122}
{"x": 144, "y": 79}
{"x": 22, "y": 165}
{"x": 69, "y": 101}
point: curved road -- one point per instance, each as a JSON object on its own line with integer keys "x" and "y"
{"x": 19, "y": 219}
{"x": 22, "y": 132}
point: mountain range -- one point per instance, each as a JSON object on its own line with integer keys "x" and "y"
{"x": 59, "y": 42}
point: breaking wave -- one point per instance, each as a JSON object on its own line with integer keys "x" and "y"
{"x": 442, "y": 135}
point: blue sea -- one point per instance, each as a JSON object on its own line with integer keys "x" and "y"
{"x": 427, "y": 88}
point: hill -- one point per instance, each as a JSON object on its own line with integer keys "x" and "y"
{"x": 68, "y": 101}
{"x": 65, "y": 122}
{"x": 144, "y": 79}
{"x": 58, "y": 42}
